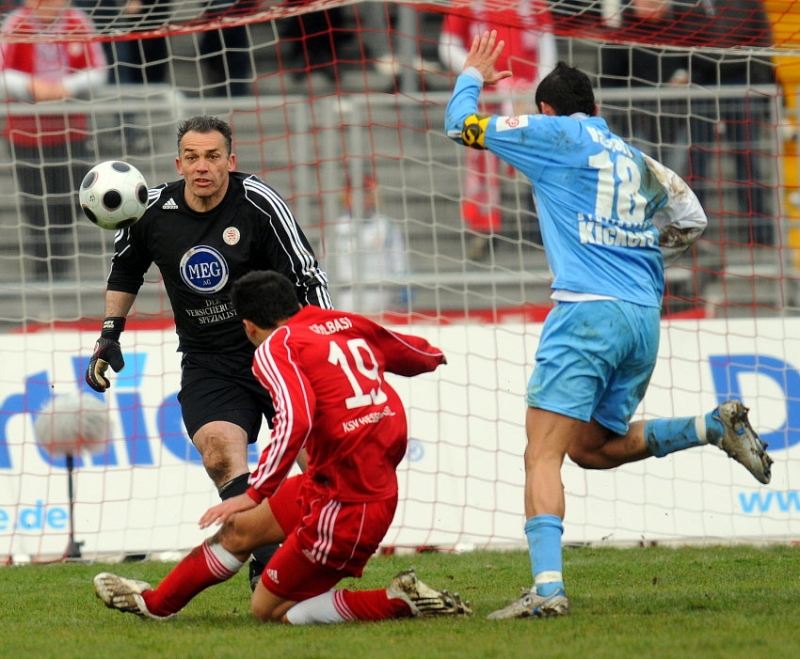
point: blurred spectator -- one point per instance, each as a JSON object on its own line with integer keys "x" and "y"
{"x": 311, "y": 43}
{"x": 370, "y": 250}
{"x": 105, "y": 15}
{"x": 144, "y": 61}
{"x": 374, "y": 21}
{"x": 132, "y": 61}
{"x": 50, "y": 151}
{"x": 530, "y": 54}
{"x": 580, "y": 17}
{"x": 714, "y": 33}
{"x": 732, "y": 125}
{"x": 655, "y": 124}
{"x": 384, "y": 43}
{"x": 225, "y": 53}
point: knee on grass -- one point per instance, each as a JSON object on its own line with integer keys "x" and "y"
{"x": 266, "y": 611}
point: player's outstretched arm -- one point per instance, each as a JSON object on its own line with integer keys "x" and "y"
{"x": 408, "y": 355}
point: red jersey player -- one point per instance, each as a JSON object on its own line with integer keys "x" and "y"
{"x": 325, "y": 372}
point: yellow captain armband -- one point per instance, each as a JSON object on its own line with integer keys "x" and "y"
{"x": 474, "y": 131}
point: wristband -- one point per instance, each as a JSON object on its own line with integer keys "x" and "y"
{"x": 113, "y": 326}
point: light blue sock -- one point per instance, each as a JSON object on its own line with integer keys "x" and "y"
{"x": 544, "y": 544}
{"x": 665, "y": 436}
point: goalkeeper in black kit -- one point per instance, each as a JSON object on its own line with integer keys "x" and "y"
{"x": 204, "y": 231}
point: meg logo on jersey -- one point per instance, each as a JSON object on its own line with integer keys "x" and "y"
{"x": 204, "y": 269}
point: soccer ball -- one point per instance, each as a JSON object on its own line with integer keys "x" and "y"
{"x": 113, "y": 195}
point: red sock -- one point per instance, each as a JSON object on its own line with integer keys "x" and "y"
{"x": 369, "y": 605}
{"x": 199, "y": 570}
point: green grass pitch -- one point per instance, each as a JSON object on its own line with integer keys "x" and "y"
{"x": 693, "y": 602}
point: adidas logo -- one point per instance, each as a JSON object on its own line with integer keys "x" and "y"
{"x": 170, "y": 205}
{"x": 273, "y": 574}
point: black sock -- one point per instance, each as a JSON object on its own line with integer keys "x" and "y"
{"x": 234, "y": 487}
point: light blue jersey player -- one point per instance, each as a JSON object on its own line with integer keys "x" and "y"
{"x": 611, "y": 218}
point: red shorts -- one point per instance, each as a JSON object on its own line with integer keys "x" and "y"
{"x": 326, "y": 540}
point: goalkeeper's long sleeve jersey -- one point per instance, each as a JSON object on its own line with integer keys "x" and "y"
{"x": 200, "y": 255}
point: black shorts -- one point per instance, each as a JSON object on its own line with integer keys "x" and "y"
{"x": 222, "y": 387}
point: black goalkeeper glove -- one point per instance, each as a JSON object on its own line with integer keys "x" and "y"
{"x": 107, "y": 352}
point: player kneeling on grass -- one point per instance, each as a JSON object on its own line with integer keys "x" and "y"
{"x": 325, "y": 372}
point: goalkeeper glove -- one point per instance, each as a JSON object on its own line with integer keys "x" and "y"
{"x": 106, "y": 353}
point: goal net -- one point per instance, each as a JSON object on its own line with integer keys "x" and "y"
{"x": 339, "y": 105}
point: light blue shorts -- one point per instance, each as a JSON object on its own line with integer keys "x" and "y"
{"x": 595, "y": 360}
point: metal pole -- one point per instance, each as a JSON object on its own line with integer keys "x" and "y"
{"x": 73, "y": 548}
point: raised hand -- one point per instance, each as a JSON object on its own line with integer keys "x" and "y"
{"x": 483, "y": 54}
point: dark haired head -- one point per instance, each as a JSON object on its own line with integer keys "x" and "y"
{"x": 264, "y": 297}
{"x": 206, "y": 124}
{"x": 567, "y": 90}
